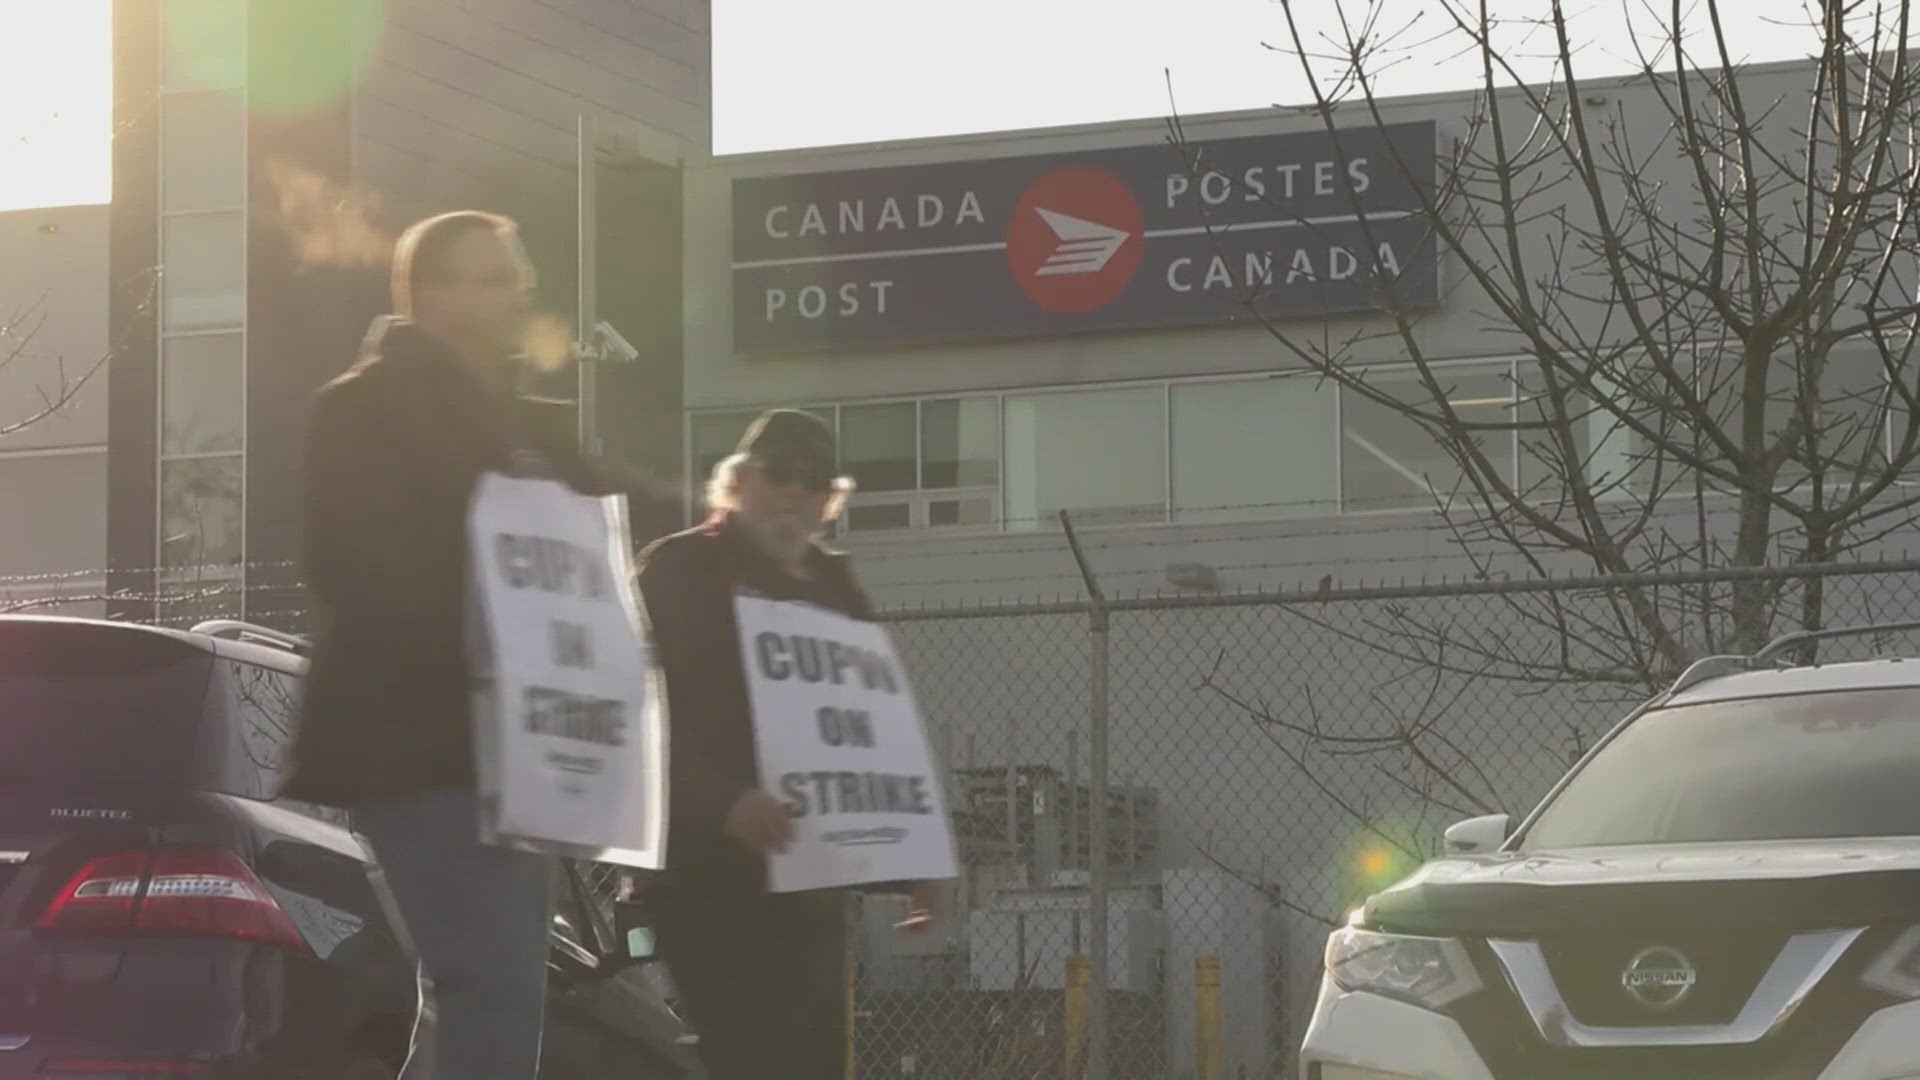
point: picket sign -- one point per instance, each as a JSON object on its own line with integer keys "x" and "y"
{"x": 840, "y": 742}
{"x": 569, "y": 725}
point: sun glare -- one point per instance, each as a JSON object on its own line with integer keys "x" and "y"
{"x": 56, "y": 93}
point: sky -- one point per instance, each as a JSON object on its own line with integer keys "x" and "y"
{"x": 791, "y": 73}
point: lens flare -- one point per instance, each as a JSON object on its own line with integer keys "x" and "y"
{"x": 308, "y": 54}
{"x": 205, "y": 45}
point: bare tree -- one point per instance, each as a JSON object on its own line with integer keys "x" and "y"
{"x": 1707, "y": 274}
{"x": 51, "y": 395}
{"x": 56, "y": 383}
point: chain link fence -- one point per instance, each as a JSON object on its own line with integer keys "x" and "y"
{"x": 1273, "y": 759}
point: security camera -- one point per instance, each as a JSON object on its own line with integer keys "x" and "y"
{"x": 609, "y": 343}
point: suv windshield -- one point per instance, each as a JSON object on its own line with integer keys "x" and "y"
{"x": 1807, "y": 766}
{"x": 87, "y": 708}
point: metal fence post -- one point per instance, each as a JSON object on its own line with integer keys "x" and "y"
{"x": 1097, "y": 825}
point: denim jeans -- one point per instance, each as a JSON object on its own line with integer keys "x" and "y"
{"x": 477, "y": 915}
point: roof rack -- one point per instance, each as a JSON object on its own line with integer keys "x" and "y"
{"x": 246, "y": 631}
{"x": 1714, "y": 667}
{"x": 1806, "y": 637}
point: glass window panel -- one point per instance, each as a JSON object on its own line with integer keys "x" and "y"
{"x": 1246, "y": 451}
{"x": 960, "y": 443}
{"x": 714, "y": 437}
{"x": 205, "y": 271}
{"x": 879, "y": 516}
{"x": 876, "y": 446}
{"x": 956, "y": 512}
{"x": 206, "y": 44}
{"x": 200, "y": 516}
{"x": 200, "y": 395}
{"x": 1390, "y": 462}
{"x": 204, "y": 165}
{"x": 1101, "y": 454}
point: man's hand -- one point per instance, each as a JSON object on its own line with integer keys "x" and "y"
{"x": 759, "y": 823}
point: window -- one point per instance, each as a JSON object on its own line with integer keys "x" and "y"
{"x": 1254, "y": 450}
{"x": 713, "y": 437}
{"x": 94, "y": 709}
{"x": 204, "y": 259}
{"x": 200, "y": 394}
{"x": 877, "y": 445}
{"x": 1101, "y": 454}
{"x": 204, "y": 136}
{"x": 1793, "y": 767}
{"x": 205, "y": 44}
{"x": 1388, "y": 461}
{"x": 915, "y": 464}
{"x": 262, "y": 711}
{"x": 200, "y": 515}
{"x": 960, "y": 450}
{"x": 878, "y": 451}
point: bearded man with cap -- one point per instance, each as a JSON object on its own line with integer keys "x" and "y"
{"x": 761, "y": 974}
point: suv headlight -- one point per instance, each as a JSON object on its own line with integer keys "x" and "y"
{"x": 1432, "y": 972}
{"x": 1897, "y": 971}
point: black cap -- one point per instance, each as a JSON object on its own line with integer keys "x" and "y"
{"x": 791, "y": 437}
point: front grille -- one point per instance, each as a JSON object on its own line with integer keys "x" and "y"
{"x": 1509, "y": 1043}
{"x": 1724, "y": 968}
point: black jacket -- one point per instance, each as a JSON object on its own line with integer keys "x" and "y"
{"x": 394, "y": 450}
{"x": 688, "y": 581}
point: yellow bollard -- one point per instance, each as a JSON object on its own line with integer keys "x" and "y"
{"x": 1074, "y": 1025}
{"x": 1209, "y": 1048}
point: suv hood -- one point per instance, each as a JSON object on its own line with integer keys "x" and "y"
{"x": 1797, "y": 884}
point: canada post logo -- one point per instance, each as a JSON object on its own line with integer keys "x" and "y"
{"x": 1074, "y": 240}
{"x": 1133, "y": 237}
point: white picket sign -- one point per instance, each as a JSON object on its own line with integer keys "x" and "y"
{"x": 569, "y": 725}
{"x": 840, "y": 741}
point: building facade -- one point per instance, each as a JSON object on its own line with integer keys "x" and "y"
{"x": 1089, "y": 320}
{"x": 53, "y": 409}
{"x": 265, "y": 156}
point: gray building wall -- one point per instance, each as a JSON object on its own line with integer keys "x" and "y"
{"x": 477, "y": 104}
{"x": 450, "y": 105}
{"x": 53, "y": 472}
{"x": 1264, "y": 548}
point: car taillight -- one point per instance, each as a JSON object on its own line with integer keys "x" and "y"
{"x": 101, "y": 896}
{"x": 94, "y": 1068}
{"x": 191, "y": 892}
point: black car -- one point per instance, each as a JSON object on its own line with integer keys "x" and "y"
{"x": 163, "y": 914}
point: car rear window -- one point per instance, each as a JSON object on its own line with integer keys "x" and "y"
{"x": 96, "y": 708}
{"x": 1795, "y": 767}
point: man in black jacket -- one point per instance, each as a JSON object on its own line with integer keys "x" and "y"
{"x": 761, "y": 974}
{"x": 395, "y": 449}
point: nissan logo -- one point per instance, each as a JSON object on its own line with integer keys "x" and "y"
{"x": 1658, "y": 977}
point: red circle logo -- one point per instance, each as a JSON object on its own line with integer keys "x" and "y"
{"x": 1074, "y": 240}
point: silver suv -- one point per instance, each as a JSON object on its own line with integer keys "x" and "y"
{"x": 1727, "y": 886}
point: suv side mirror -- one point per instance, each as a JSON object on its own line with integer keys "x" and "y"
{"x": 1476, "y": 835}
{"x": 632, "y": 931}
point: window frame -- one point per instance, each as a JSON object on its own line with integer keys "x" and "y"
{"x": 1163, "y": 384}
{"x": 179, "y": 582}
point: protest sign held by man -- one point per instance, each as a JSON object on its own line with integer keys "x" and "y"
{"x": 798, "y": 767}
{"x": 396, "y": 448}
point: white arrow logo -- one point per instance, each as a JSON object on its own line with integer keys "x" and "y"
{"x": 1086, "y": 247}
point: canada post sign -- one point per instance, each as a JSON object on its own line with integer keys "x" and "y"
{"x": 1129, "y": 238}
